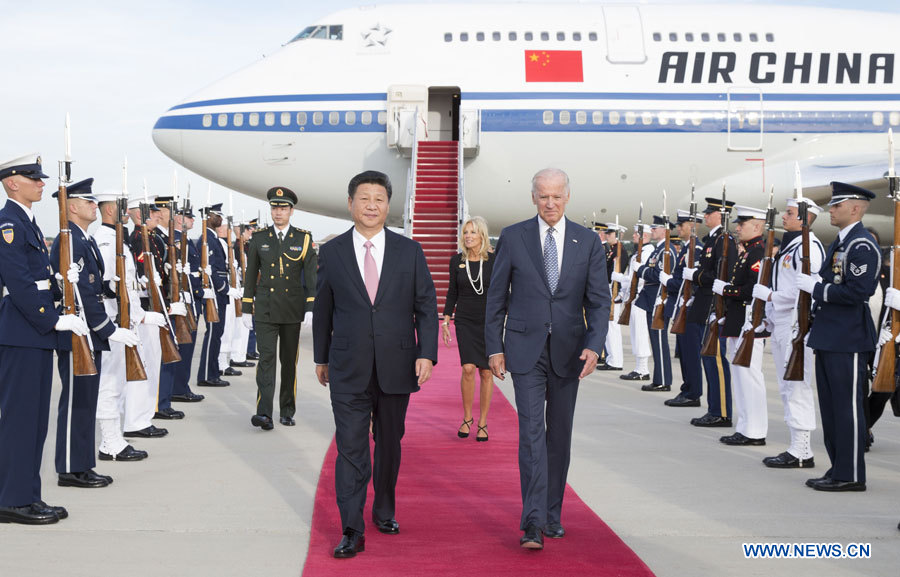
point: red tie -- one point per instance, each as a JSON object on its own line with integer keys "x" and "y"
{"x": 371, "y": 272}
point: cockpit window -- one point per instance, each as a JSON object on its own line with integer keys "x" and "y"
{"x": 322, "y": 31}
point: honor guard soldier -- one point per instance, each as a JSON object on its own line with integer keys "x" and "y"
{"x": 716, "y": 369}
{"x": 230, "y": 333}
{"x": 28, "y": 318}
{"x": 241, "y": 336}
{"x": 615, "y": 358}
{"x": 647, "y": 301}
{"x": 280, "y": 292}
{"x": 688, "y": 342}
{"x": 843, "y": 336}
{"x": 781, "y": 312}
{"x": 193, "y": 293}
{"x": 748, "y": 386}
{"x": 209, "y": 373}
{"x": 601, "y": 230}
{"x": 640, "y": 334}
{"x": 252, "y": 227}
{"x": 76, "y": 422}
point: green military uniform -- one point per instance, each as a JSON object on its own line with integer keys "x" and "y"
{"x": 280, "y": 289}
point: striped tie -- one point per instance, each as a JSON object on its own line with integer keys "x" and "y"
{"x": 551, "y": 261}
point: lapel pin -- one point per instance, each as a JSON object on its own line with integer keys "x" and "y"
{"x": 575, "y": 240}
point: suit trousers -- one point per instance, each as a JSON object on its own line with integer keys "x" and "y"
{"x": 353, "y": 467}
{"x": 140, "y": 396}
{"x": 76, "y": 422}
{"x": 209, "y": 369}
{"x": 691, "y": 365}
{"x": 662, "y": 357}
{"x": 614, "y": 355}
{"x": 26, "y": 378}
{"x": 283, "y": 339}
{"x": 748, "y": 389}
{"x": 718, "y": 382}
{"x": 544, "y": 397}
{"x": 839, "y": 379}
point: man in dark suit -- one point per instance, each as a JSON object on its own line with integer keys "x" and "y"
{"x": 375, "y": 335}
{"x": 549, "y": 283}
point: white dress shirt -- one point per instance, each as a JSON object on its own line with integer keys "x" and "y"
{"x": 27, "y": 210}
{"x": 360, "y": 251}
{"x": 846, "y": 230}
{"x": 559, "y": 235}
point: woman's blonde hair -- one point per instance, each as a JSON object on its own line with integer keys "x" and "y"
{"x": 481, "y": 228}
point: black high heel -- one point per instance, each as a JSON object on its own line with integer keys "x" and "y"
{"x": 485, "y": 437}
{"x": 468, "y": 424}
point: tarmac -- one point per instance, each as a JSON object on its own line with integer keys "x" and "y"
{"x": 218, "y": 497}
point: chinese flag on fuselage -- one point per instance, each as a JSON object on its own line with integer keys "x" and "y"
{"x": 553, "y": 66}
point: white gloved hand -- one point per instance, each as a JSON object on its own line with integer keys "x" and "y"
{"x": 657, "y": 302}
{"x": 712, "y": 317}
{"x": 307, "y": 319}
{"x": 167, "y": 267}
{"x": 770, "y": 326}
{"x": 619, "y": 277}
{"x": 187, "y": 297}
{"x": 687, "y": 273}
{"x": 247, "y": 319}
{"x": 156, "y": 280}
{"x": 208, "y": 270}
{"x": 892, "y": 298}
{"x": 664, "y": 277}
{"x": 761, "y": 292}
{"x": 124, "y": 336}
{"x": 178, "y": 268}
{"x": 156, "y": 319}
{"x": 690, "y": 302}
{"x": 143, "y": 281}
{"x": 72, "y": 275}
{"x": 72, "y": 323}
{"x": 208, "y": 294}
{"x": 806, "y": 283}
{"x": 721, "y": 321}
{"x": 884, "y": 336}
{"x": 235, "y": 293}
{"x": 186, "y": 267}
{"x": 177, "y": 309}
{"x": 719, "y": 286}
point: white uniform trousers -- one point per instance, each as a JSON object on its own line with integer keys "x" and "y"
{"x": 239, "y": 341}
{"x": 797, "y": 396}
{"x": 111, "y": 398}
{"x": 614, "y": 355}
{"x": 228, "y": 337}
{"x": 640, "y": 340}
{"x": 141, "y": 397}
{"x": 748, "y": 391}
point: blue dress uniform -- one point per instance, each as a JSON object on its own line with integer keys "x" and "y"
{"x": 646, "y": 300}
{"x": 209, "y": 372}
{"x": 843, "y": 336}
{"x": 159, "y": 241}
{"x": 27, "y": 341}
{"x": 181, "y": 390}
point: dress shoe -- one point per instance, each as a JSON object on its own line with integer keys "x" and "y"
{"x": 738, "y": 439}
{"x": 147, "y": 433}
{"x": 634, "y": 376}
{"x": 812, "y": 482}
{"x": 352, "y": 543}
{"x": 787, "y": 461}
{"x": 253, "y": 356}
{"x": 263, "y": 422}
{"x": 532, "y": 539}
{"x": 710, "y": 420}
{"x": 601, "y": 366}
{"x": 554, "y": 531}
{"x": 244, "y": 364}
{"x": 481, "y": 430}
{"x": 82, "y": 480}
{"x": 229, "y": 372}
{"x": 656, "y": 387}
{"x": 188, "y": 397}
{"x": 217, "y": 382}
{"x": 129, "y": 453}
{"x": 835, "y": 486}
{"x": 609, "y": 367}
{"x": 32, "y": 514}
{"x": 287, "y": 421}
{"x": 389, "y": 527}
{"x": 95, "y": 475}
{"x": 59, "y": 511}
{"x": 682, "y": 401}
{"x": 169, "y": 414}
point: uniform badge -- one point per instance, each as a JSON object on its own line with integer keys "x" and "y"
{"x": 755, "y": 267}
{"x": 279, "y": 192}
{"x": 858, "y": 270}
{"x": 297, "y": 248}
{"x": 264, "y": 247}
{"x": 9, "y": 234}
{"x": 91, "y": 278}
{"x": 462, "y": 266}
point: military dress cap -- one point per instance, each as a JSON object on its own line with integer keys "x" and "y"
{"x": 163, "y": 201}
{"x": 600, "y": 227}
{"x": 660, "y": 222}
{"x": 613, "y": 227}
{"x": 108, "y": 196}
{"x": 28, "y": 166}
{"x": 685, "y": 216}
{"x": 81, "y": 189}
{"x": 189, "y": 213}
{"x": 810, "y": 205}
{"x": 281, "y": 196}
{"x": 254, "y": 223}
{"x": 215, "y": 209}
{"x": 841, "y": 191}
{"x": 714, "y": 204}
{"x": 745, "y": 213}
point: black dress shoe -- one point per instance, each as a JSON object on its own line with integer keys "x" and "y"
{"x": 739, "y": 439}
{"x": 217, "y": 382}
{"x": 129, "y": 453}
{"x": 812, "y": 482}
{"x": 82, "y": 480}
{"x": 532, "y": 539}
{"x": 244, "y": 364}
{"x": 655, "y": 387}
{"x": 710, "y": 420}
{"x": 352, "y": 543}
{"x": 835, "y": 486}
{"x": 188, "y": 397}
{"x": 147, "y": 433}
{"x": 263, "y": 422}
{"x": 95, "y": 475}
{"x": 229, "y": 372}
{"x": 608, "y": 367}
{"x": 287, "y": 421}
{"x": 253, "y": 356}
{"x": 32, "y": 514}
{"x": 59, "y": 511}
{"x": 787, "y": 461}
{"x": 389, "y": 527}
{"x": 554, "y": 531}
{"x": 682, "y": 401}
{"x": 634, "y": 376}
{"x": 169, "y": 414}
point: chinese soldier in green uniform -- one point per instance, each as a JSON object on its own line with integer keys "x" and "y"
{"x": 279, "y": 293}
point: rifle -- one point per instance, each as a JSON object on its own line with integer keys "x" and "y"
{"x": 659, "y": 322}
{"x": 185, "y": 279}
{"x": 710, "y": 346}
{"x": 134, "y": 366}
{"x": 82, "y": 350}
{"x": 182, "y": 330}
{"x": 232, "y": 273}
{"x": 618, "y": 268}
{"x": 679, "y": 325}
{"x": 625, "y": 317}
{"x": 212, "y": 307}
{"x": 884, "y": 378}
{"x": 744, "y": 353}
{"x": 170, "y": 352}
{"x": 795, "y": 365}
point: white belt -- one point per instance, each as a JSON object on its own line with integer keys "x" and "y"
{"x": 42, "y": 285}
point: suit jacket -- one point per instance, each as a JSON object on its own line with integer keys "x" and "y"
{"x": 519, "y": 293}
{"x": 352, "y": 335}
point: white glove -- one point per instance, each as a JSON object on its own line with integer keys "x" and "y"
{"x": 688, "y": 273}
{"x": 761, "y": 292}
{"x": 307, "y": 319}
{"x": 712, "y": 317}
{"x": 892, "y": 298}
{"x": 167, "y": 267}
{"x": 187, "y": 297}
{"x": 208, "y": 294}
{"x": 884, "y": 336}
{"x": 806, "y": 283}
{"x": 690, "y": 302}
{"x": 178, "y": 268}
{"x": 72, "y": 275}
{"x": 124, "y": 336}
{"x": 619, "y": 277}
{"x": 664, "y": 277}
{"x": 235, "y": 293}
{"x": 247, "y": 319}
{"x": 719, "y": 286}
{"x": 156, "y": 319}
{"x": 721, "y": 321}
{"x": 156, "y": 280}
{"x": 186, "y": 267}
{"x": 657, "y": 302}
{"x": 208, "y": 270}
{"x": 770, "y": 326}
{"x": 177, "y": 309}
{"x": 748, "y": 326}
{"x": 72, "y": 323}
{"x": 143, "y": 281}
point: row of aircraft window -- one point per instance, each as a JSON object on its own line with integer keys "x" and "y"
{"x": 592, "y": 36}
{"x": 301, "y": 118}
{"x": 680, "y": 118}
{"x": 720, "y": 37}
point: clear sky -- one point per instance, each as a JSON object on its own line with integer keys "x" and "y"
{"x": 117, "y": 66}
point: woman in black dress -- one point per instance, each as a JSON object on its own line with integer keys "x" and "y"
{"x": 470, "y": 275}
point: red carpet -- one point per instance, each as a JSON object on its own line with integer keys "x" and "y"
{"x": 459, "y": 503}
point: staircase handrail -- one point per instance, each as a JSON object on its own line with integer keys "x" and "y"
{"x": 461, "y": 208}
{"x": 411, "y": 181}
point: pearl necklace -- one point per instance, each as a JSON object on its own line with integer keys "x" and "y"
{"x": 479, "y": 290}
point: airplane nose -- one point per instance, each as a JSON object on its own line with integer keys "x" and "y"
{"x": 169, "y": 139}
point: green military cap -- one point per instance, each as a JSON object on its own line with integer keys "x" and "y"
{"x": 281, "y": 196}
